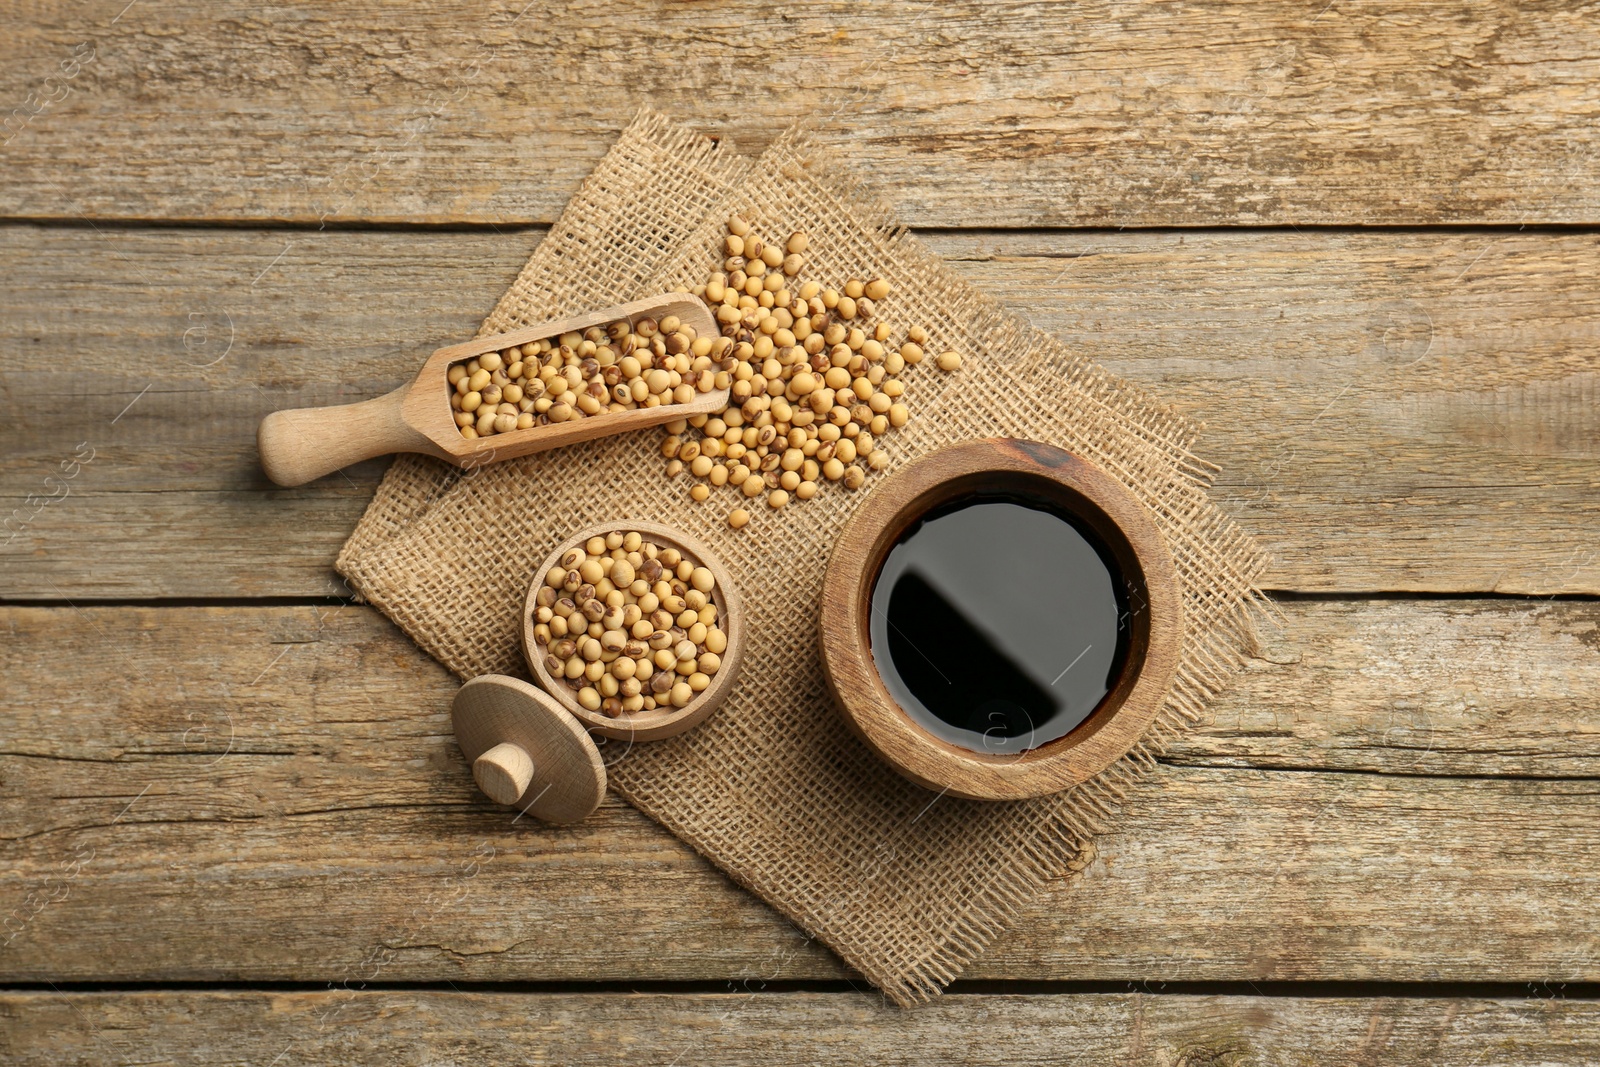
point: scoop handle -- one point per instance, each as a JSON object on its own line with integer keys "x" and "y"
{"x": 302, "y": 444}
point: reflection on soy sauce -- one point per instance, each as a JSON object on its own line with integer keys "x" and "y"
{"x": 999, "y": 624}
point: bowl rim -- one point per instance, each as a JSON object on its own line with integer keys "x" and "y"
{"x": 1063, "y": 480}
{"x": 651, "y": 726}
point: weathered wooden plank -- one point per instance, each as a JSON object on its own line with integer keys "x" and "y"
{"x": 1400, "y": 791}
{"x": 1503, "y": 688}
{"x": 962, "y": 114}
{"x": 424, "y": 1027}
{"x": 1392, "y": 410}
{"x": 179, "y": 348}
{"x": 1396, "y": 411}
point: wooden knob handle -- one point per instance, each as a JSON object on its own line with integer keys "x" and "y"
{"x": 303, "y": 444}
{"x": 503, "y": 772}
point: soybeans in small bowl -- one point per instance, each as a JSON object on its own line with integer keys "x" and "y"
{"x": 635, "y": 628}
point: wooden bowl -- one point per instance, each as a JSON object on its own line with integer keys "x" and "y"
{"x": 1050, "y": 476}
{"x": 658, "y": 724}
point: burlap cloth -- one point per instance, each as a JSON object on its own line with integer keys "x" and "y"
{"x": 905, "y": 885}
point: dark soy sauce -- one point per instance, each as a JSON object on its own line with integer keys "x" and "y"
{"x": 999, "y": 624}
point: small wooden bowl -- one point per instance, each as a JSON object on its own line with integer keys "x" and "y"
{"x": 658, "y": 724}
{"x": 1019, "y": 469}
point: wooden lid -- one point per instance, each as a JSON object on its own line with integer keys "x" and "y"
{"x": 517, "y": 735}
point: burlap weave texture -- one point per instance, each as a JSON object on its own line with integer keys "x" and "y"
{"x": 907, "y": 886}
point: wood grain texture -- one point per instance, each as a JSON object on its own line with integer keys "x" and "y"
{"x": 1391, "y": 410}
{"x": 1398, "y": 791}
{"x": 419, "y": 1027}
{"x": 962, "y": 114}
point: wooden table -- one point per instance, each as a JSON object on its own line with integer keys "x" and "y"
{"x": 1358, "y": 241}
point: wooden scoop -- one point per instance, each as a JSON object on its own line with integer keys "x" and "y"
{"x": 299, "y": 445}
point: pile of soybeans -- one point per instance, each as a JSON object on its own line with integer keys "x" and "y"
{"x": 814, "y": 379}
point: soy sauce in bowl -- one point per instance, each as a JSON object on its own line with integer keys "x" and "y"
{"x": 999, "y": 623}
